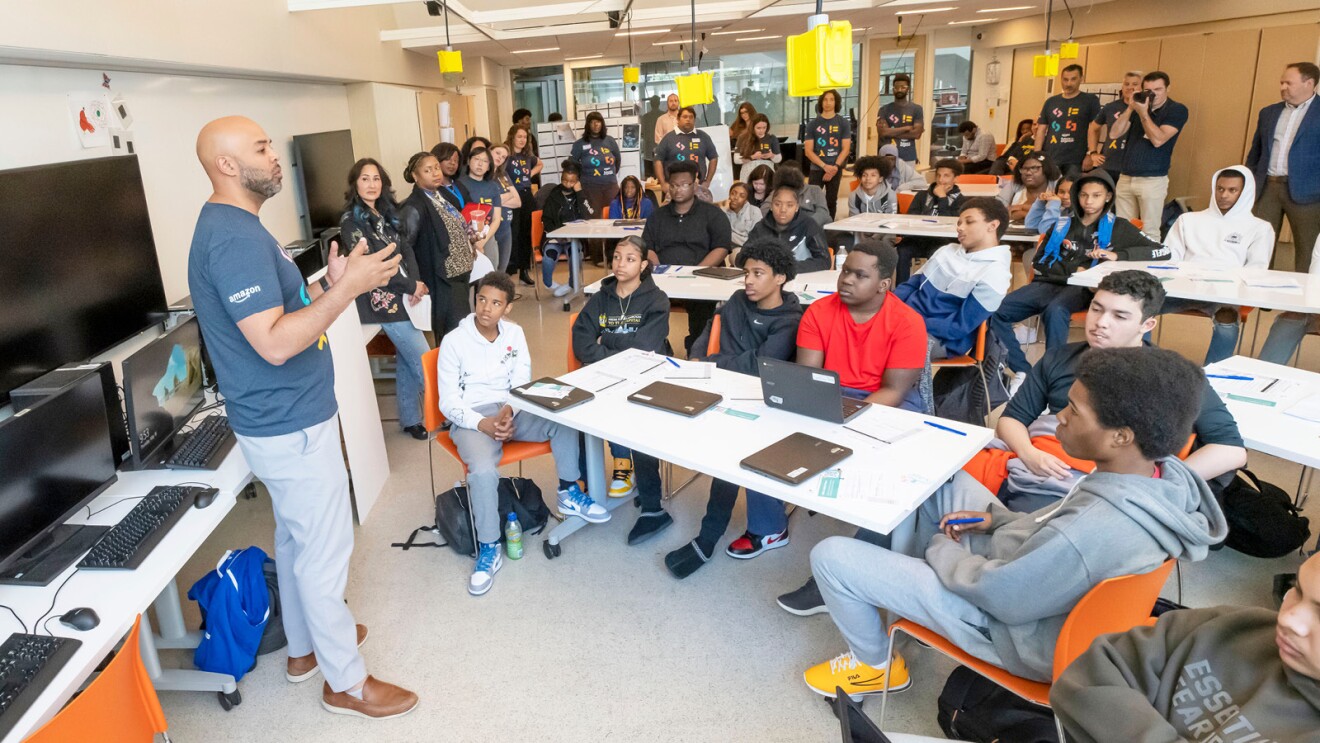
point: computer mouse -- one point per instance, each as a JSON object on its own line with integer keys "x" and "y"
{"x": 83, "y": 618}
{"x": 205, "y": 498}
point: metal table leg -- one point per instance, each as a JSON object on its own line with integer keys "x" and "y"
{"x": 574, "y": 271}
{"x": 597, "y": 488}
{"x": 178, "y": 679}
{"x": 169, "y": 613}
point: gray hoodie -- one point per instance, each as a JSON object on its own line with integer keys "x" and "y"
{"x": 1031, "y": 569}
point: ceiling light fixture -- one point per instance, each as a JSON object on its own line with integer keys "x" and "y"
{"x": 744, "y": 31}
{"x": 761, "y": 38}
{"x": 668, "y": 43}
{"x": 589, "y": 56}
{"x": 919, "y": 11}
{"x": 1005, "y": 10}
{"x": 652, "y": 32}
{"x": 974, "y": 20}
{"x": 533, "y": 51}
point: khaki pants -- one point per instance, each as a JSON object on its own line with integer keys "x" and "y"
{"x": 1304, "y": 219}
{"x": 1142, "y": 197}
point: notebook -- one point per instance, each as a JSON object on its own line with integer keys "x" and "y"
{"x": 796, "y": 458}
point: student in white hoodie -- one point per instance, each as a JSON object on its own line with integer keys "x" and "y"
{"x": 480, "y": 361}
{"x": 1225, "y": 234}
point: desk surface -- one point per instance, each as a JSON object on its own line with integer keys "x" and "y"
{"x": 118, "y": 596}
{"x": 1270, "y": 429}
{"x": 910, "y": 224}
{"x": 678, "y": 282}
{"x": 594, "y": 228}
{"x": 903, "y": 474}
{"x": 1292, "y": 292}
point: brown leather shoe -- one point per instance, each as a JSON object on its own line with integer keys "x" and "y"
{"x": 302, "y": 668}
{"x": 380, "y": 700}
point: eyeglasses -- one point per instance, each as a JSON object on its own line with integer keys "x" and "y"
{"x": 1032, "y": 169}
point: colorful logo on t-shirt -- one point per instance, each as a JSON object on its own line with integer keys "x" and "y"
{"x": 321, "y": 342}
{"x": 601, "y": 160}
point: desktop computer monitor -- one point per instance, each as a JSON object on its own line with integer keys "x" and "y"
{"x": 162, "y": 390}
{"x": 55, "y": 457}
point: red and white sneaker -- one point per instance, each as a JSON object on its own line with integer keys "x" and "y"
{"x": 749, "y": 545}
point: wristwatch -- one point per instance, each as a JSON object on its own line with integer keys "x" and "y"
{"x": 325, "y": 284}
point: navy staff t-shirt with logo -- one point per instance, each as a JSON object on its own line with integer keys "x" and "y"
{"x": 599, "y": 159}
{"x": 828, "y": 136}
{"x": 897, "y": 115}
{"x": 1067, "y": 121}
{"x": 519, "y": 167}
{"x": 695, "y": 146}
{"x": 235, "y": 270}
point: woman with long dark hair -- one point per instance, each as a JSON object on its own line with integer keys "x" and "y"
{"x": 829, "y": 140}
{"x": 370, "y": 214}
{"x": 742, "y": 123}
{"x": 522, "y": 166}
{"x": 1023, "y": 144}
{"x": 760, "y": 182}
{"x": 509, "y": 200}
{"x": 433, "y": 229}
{"x": 598, "y": 154}
{"x": 756, "y": 146}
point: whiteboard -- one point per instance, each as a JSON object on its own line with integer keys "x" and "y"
{"x": 168, "y": 111}
{"x": 719, "y": 185}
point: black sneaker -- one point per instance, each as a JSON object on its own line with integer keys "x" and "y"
{"x": 805, "y": 601}
{"x": 418, "y": 432}
{"x": 685, "y": 560}
{"x": 648, "y": 525}
{"x": 526, "y": 278}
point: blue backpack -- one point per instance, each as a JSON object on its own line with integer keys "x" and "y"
{"x": 236, "y": 603}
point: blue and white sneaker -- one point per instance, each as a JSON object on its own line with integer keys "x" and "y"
{"x": 489, "y": 562}
{"x": 574, "y": 502}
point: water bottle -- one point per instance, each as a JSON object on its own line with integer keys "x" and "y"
{"x": 839, "y": 257}
{"x": 513, "y": 537}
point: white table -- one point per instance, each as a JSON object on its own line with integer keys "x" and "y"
{"x": 910, "y": 224}
{"x": 1271, "y": 430}
{"x": 716, "y": 441}
{"x": 1210, "y": 283}
{"x": 589, "y": 229}
{"x": 119, "y": 596}
{"x": 679, "y": 282}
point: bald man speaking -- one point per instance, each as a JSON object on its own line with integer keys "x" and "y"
{"x": 265, "y": 330}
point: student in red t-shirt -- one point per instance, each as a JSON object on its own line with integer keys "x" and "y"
{"x": 875, "y": 343}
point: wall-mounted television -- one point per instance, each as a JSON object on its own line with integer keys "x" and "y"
{"x": 322, "y": 162}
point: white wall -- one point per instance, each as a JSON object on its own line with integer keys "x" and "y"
{"x": 168, "y": 112}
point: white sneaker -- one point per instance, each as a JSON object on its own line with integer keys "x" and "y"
{"x": 1024, "y": 334}
{"x": 1016, "y": 382}
{"x": 560, "y": 290}
{"x": 489, "y": 562}
{"x": 574, "y": 502}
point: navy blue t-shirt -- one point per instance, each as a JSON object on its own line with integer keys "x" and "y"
{"x": 235, "y": 270}
{"x": 1143, "y": 159}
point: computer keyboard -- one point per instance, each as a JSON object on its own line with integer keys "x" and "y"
{"x": 204, "y": 447}
{"x": 28, "y": 663}
{"x": 132, "y": 539}
{"x": 851, "y": 406}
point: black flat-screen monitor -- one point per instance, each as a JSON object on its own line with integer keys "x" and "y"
{"x": 322, "y": 162}
{"x": 162, "y": 389}
{"x": 55, "y": 457}
{"x": 78, "y": 266}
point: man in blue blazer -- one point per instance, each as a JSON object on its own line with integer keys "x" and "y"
{"x": 1285, "y": 156}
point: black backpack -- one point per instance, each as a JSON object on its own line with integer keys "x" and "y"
{"x": 453, "y": 516}
{"x": 960, "y": 392}
{"x": 974, "y": 708}
{"x": 1262, "y": 520}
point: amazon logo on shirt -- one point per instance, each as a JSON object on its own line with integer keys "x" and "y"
{"x": 240, "y": 297}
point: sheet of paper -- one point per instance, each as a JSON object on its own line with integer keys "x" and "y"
{"x": 1276, "y": 282}
{"x": 419, "y": 313}
{"x": 741, "y": 387}
{"x": 548, "y": 390}
{"x": 1308, "y": 408}
{"x": 629, "y": 365}
{"x": 874, "y": 424}
{"x": 689, "y": 370}
{"x": 1252, "y": 388}
{"x": 592, "y": 379}
{"x": 870, "y": 485}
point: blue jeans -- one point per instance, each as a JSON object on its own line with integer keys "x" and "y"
{"x": 765, "y": 515}
{"x": 1286, "y": 335}
{"x": 409, "y": 345}
{"x": 1224, "y": 337}
{"x": 550, "y": 253}
{"x": 1055, "y": 303}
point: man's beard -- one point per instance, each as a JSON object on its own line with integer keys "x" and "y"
{"x": 262, "y": 184}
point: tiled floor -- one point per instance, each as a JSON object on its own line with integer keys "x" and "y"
{"x": 602, "y": 643}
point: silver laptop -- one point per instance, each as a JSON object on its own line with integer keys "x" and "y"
{"x": 806, "y": 390}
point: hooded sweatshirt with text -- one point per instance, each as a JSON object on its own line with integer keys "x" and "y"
{"x": 1238, "y": 238}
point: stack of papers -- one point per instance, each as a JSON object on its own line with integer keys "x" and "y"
{"x": 1308, "y": 408}
{"x": 548, "y": 390}
{"x": 1275, "y": 282}
{"x": 874, "y": 425}
{"x": 689, "y": 369}
{"x": 1252, "y": 388}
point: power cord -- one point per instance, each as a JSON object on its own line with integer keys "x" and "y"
{"x": 17, "y": 618}
{"x": 53, "y": 600}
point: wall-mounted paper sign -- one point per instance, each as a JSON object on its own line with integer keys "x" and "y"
{"x": 91, "y": 119}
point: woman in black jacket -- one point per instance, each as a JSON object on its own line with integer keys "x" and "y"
{"x": 435, "y": 233}
{"x": 370, "y": 214}
{"x": 787, "y": 222}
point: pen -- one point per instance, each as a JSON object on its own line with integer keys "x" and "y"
{"x": 671, "y": 360}
{"x": 1164, "y": 268}
{"x": 944, "y": 428}
{"x": 1236, "y": 377}
{"x": 956, "y": 522}
{"x": 823, "y": 291}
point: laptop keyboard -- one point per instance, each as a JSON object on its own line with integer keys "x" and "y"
{"x": 851, "y": 406}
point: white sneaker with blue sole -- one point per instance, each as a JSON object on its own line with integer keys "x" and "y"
{"x": 574, "y": 502}
{"x": 489, "y": 562}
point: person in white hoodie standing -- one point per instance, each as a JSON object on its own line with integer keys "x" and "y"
{"x": 480, "y": 361}
{"x": 1224, "y": 234}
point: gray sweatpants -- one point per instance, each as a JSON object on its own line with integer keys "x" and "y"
{"x": 304, "y": 472}
{"x": 482, "y": 455}
{"x": 856, "y": 577}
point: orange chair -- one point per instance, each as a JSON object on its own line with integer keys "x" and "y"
{"x": 538, "y": 231}
{"x": 573, "y": 363}
{"x": 905, "y": 201}
{"x": 514, "y": 451}
{"x": 977, "y": 178}
{"x": 1115, "y": 605}
{"x": 121, "y": 699}
{"x": 999, "y": 149}
{"x": 853, "y": 184}
{"x": 713, "y": 346}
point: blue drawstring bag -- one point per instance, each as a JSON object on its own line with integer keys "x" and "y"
{"x": 236, "y": 603}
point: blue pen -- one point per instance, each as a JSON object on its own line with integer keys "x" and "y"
{"x": 671, "y": 360}
{"x": 1237, "y": 377}
{"x": 1164, "y": 268}
{"x": 944, "y": 428}
{"x": 823, "y": 291}
{"x": 956, "y": 522}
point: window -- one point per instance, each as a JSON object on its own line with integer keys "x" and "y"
{"x": 539, "y": 90}
{"x": 953, "y": 83}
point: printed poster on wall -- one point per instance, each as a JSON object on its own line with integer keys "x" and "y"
{"x": 90, "y": 115}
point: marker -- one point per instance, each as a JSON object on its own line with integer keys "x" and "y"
{"x": 670, "y": 359}
{"x": 1236, "y": 377}
{"x": 1164, "y": 268}
{"x": 944, "y": 428}
{"x": 957, "y": 522}
{"x": 632, "y": 229}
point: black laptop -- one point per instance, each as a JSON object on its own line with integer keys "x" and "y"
{"x": 806, "y": 390}
{"x": 720, "y": 272}
{"x": 675, "y": 398}
{"x": 571, "y": 395}
{"x": 796, "y": 458}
